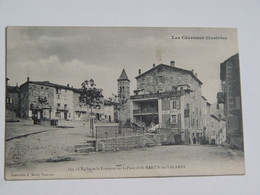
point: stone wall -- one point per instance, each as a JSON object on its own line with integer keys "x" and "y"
{"x": 39, "y": 91}
{"x": 24, "y": 101}
{"x": 230, "y": 75}
{"x": 165, "y": 78}
{"x": 12, "y": 100}
{"x": 128, "y": 142}
{"x": 124, "y": 98}
{"x": 106, "y": 131}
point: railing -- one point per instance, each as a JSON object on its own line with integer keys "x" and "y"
{"x": 146, "y": 111}
{"x": 156, "y": 95}
{"x": 137, "y": 111}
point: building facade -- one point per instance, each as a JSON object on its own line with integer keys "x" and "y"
{"x": 12, "y": 101}
{"x": 109, "y": 111}
{"x": 171, "y": 97}
{"x": 231, "y": 98}
{"x": 42, "y": 100}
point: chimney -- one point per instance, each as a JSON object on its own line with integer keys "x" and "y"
{"x": 172, "y": 63}
{"x": 139, "y": 71}
{"x": 16, "y": 84}
{"x": 196, "y": 74}
{"x": 68, "y": 85}
{"x": 192, "y": 70}
{"x": 28, "y": 78}
{"x": 153, "y": 65}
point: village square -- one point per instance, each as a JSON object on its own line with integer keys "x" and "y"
{"x": 73, "y": 101}
{"x": 47, "y": 122}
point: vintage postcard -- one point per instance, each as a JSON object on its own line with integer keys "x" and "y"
{"x": 113, "y": 102}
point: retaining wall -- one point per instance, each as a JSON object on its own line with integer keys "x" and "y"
{"x": 127, "y": 142}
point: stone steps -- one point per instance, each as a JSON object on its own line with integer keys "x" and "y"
{"x": 149, "y": 142}
{"x": 88, "y": 146}
{"x": 83, "y": 145}
{"x": 85, "y": 149}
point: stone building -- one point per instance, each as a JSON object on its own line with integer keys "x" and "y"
{"x": 231, "y": 98}
{"x": 206, "y": 117}
{"x": 80, "y": 109}
{"x": 109, "y": 111}
{"x": 12, "y": 101}
{"x": 124, "y": 97}
{"x": 171, "y": 97}
{"x": 42, "y": 100}
{"x": 214, "y": 129}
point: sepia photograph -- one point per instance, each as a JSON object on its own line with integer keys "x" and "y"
{"x": 122, "y": 102}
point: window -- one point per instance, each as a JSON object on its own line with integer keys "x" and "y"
{"x": 58, "y": 115}
{"x": 173, "y": 119}
{"x": 161, "y": 79}
{"x": 174, "y": 104}
{"x": 58, "y": 105}
{"x": 197, "y": 110}
{"x": 187, "y": 106}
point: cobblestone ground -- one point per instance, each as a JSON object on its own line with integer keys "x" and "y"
{"x": 28, "y": 155}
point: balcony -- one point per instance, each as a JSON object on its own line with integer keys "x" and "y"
{"x": 42, "y": 99}
{"x": 145, "y": 111}
{"x": 156, "y": 95}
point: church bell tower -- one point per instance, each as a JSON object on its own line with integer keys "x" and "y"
{"x": 124, "y": 95}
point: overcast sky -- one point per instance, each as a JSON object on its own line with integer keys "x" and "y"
{"x": 70, "y": 55}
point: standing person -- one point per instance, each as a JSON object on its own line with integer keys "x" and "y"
{"x": 194, "y": 140}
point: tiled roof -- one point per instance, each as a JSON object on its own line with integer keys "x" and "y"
{"x": 49, "y": 84}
